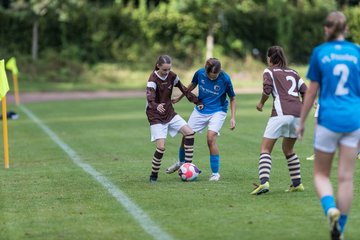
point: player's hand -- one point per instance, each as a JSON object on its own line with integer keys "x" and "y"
{"x": 300, "y": 131}
{"x": 161, "y": 108}
{"x": 260, "y": 106}
{"x": 232, "y": 124}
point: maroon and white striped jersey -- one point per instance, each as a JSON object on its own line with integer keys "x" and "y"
{"x": 159, "y": 90}
{"x": 284, "y": 84}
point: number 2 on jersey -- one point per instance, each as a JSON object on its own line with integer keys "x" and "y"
{"x": 343, "y": 71}
{"x": 293, "y": 86}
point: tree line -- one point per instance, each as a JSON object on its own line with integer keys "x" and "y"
{"x": 133, "y": 32}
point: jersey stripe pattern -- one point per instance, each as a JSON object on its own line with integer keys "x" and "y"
{"x": 286, "y": 86}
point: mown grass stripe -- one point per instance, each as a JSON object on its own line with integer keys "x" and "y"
{"x": 139, "y": 215}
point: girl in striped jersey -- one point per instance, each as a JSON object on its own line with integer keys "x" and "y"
{"x": 160, "y": 112}
{"x": 285, "y": 85}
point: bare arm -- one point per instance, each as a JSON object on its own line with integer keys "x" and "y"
{"x": 310, "y": 97}
{"x": 233, "y": 113}
{"x": 188, "y": 89}
{"x": 263, "y": 99}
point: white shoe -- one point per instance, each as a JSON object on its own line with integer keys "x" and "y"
{"x": 173, "y": 168}
{"x": 214, "y": 177}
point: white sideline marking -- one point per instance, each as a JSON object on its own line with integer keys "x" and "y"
{"x": 140, "y": 216}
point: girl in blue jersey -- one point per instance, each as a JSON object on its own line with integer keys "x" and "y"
{"x": 334, "y": 72}
{"x": 214, "y": 87}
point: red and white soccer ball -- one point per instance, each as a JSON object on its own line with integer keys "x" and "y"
{"x": 188, "y": 172}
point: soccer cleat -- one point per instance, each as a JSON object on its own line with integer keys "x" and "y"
{"x": 333, "y": 215}
{"x": 260, "y": 189}
{"x": 153, "y": 178}
{"x": 299, "y": 188}
{"x": 311, "y": 158}
{"x": 214, "y": 177}
{"x": 173, "y": 168}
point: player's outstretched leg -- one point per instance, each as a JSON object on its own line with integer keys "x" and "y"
{"x": 173, "y": 168}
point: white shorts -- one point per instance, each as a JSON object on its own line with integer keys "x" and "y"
{"x": 327, "y": 140}
{"x": 197, "y": 121}
{"x": 281, "y": 126}
{"x": 159, "y": 130}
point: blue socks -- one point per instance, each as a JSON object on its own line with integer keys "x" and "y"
{"x": 181, "y": 155}
{"x": 342, "y": 222}
{"x": 214, "y": 160}
{"x": 215, "y": 163}
{"x": 327, "y": 202}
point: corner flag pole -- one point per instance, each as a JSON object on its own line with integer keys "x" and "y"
{"x": 5, "y": 132}
{"x": 16, "y": 89}
{"x": 4, "y": 88}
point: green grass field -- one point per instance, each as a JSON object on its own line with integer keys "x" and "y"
{"x": 46, "y": 195}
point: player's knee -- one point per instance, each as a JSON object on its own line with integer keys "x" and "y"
{"x": 288, "y": 153}
{"x": 186, "y": 130}
{"x": 161, "y": 146}
{"x": 211, "y": 142}
{"x": 345, "y": 177}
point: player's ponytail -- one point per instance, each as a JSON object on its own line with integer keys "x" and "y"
{"x": 277, "y": 56}
{"x": 163, "y": 59}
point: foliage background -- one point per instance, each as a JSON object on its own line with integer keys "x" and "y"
{"x": 63, "y": 41}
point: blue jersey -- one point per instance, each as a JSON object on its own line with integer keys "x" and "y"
{"x": 212, "y": 93}
{"x": 335, "y": 66}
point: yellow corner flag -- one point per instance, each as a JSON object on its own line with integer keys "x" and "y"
{"x": 4, "y": 85}
{"x": 11, "y": 65}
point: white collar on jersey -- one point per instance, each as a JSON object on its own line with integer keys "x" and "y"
{"x": 162, "y": 78}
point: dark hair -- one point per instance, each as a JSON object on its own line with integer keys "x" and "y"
{"x": 212, "y": 65}
{"x": 163, "y": 59}
{"x": 277, "y": 56}
{"x": 336, "y": 24}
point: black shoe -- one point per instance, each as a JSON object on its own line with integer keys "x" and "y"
{"x": 153, "y": 178}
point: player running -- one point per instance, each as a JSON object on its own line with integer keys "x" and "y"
{"x": 334, "y": 71}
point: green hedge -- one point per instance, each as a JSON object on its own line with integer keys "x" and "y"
{"x": 131, "y": 35}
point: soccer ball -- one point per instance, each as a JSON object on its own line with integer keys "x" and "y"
{"x": 188, "y": 172}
